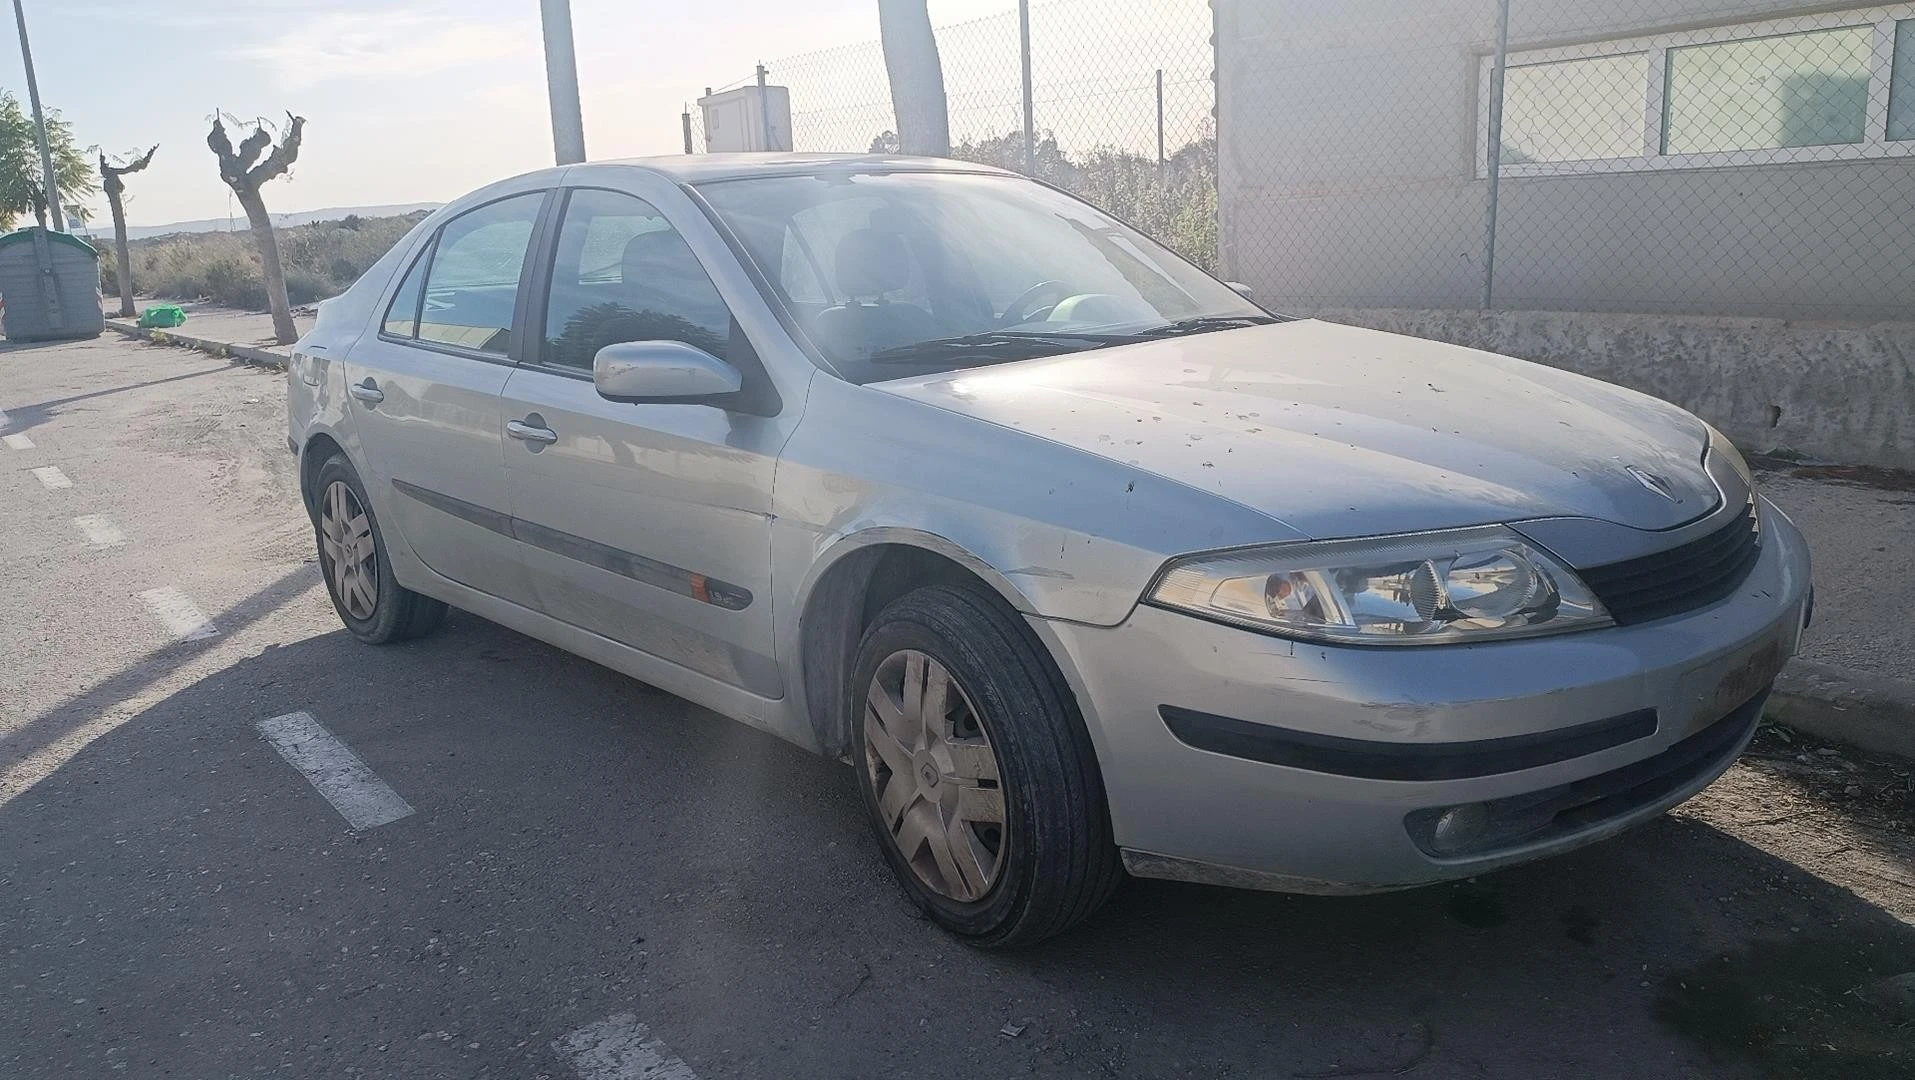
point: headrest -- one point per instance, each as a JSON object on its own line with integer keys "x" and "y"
{"x": 871, "y": 263}
{"x": 661, "y": 253}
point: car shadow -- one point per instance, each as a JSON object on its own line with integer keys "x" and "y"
{"x": 584, "y": 845}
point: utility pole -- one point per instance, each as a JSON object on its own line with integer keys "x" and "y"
{"x": 54, "y": 217}
{"x": 561, "y": 81}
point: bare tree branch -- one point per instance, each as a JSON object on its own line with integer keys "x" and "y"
{"x": 254, "y": 144}
{"x": 283, "y": 155}
{"x": 222, "y": 148}
{"x": 110, "y": 174}
{"x": 140, "y": 162}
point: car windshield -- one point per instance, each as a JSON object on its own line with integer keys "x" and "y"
{"x": 894, "y": 274}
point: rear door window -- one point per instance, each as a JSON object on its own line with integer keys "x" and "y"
{"x": 473, "y": 285}
{"x": 402, "y": 315}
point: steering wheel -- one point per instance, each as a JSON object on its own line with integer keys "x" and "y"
{"x": 1015, "y": 313}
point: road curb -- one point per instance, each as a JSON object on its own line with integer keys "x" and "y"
{"x": 248, "y": 354}
{"x": 1870, "y": 712}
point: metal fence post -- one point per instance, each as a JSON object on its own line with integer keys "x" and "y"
{"x": 1024, "y": 52}
{"x": 1495, "y": 164}
{"x": 686, "y": 119}
{"x": 1160, "y": 116}
{"x": 764, "y": 110}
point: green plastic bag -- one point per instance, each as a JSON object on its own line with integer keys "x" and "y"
{"x": 163, "y": 316}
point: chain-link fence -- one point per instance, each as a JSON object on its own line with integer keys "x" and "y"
{"x": 1121, "y": 100}
{"x": 1722, "y": 157}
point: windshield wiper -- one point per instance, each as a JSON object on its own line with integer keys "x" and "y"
{"x": 1201, "y": 324}
{"x": 1029, "y": 344}
{"x": 1022, "y": 345}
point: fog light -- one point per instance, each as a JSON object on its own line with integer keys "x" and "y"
{"x": 1458, "y": 828}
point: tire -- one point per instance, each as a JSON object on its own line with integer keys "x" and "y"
{"x": 1053, "y": 862}
{"x": 392, "y": 613}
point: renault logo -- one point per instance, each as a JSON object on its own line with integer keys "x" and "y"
{"x": 1653, "y": 482}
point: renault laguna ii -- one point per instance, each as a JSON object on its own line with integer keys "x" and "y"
{"x": 1081, "y": 559}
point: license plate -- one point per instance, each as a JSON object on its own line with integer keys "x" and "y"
{"x": 1750, "y": 676}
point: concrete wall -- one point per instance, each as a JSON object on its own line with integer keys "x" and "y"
{"x": 1347, "y": 155}
{"x": 1827, "y": 393}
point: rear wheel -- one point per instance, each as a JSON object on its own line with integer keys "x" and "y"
{"x": 352, "y": 557}
{"x": 977, "y": 772}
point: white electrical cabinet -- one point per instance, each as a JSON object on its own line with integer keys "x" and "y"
{"x": 748, "y": 118}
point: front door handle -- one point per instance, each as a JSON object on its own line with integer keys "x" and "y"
{"x": 367, "y": 391}
{"x": 528, "y": 430}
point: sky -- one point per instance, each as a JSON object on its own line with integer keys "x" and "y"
{"x": 405, "y": 100}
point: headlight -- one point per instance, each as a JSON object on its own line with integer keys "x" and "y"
{"x": 1430, "y": 588}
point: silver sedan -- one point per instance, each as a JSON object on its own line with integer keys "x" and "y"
{"x": 1082, "y": 560}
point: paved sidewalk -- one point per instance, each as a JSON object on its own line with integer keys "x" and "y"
{"x": 1854, "y": 681}
{"x": 247, "y": 335}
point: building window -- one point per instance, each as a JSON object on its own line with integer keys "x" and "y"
{"x": 1901, "y": 94}
{"x": 1831, "y": 87}
{"x": 1769, "y": 93}
{"x": 1605, "y": 122}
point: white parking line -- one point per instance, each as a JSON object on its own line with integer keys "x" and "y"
{"x": 171, "y": 607}
{"x": 16, "y": 442}
{"x": 334, "y": 770}
{"x": 99, "y": 532}
{"x": 51, "y": 477}
{"x": 621, "y": 1048}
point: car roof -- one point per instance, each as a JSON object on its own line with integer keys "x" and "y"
{"x": 705, "y": 168}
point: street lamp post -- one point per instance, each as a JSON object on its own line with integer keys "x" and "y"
{"x": 561, "y": 81}
{"x": 54, "y": 216}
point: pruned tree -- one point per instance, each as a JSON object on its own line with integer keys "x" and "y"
{"x": 917, "y": 77}
{"x": 110, "y": 179}
{"x": 246, "y": 172}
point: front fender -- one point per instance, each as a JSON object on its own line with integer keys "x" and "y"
{"x": 1060, "y": 532}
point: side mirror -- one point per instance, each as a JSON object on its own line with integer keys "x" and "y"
{"x": 661, "y": 372}
{"x": 1240, "y": 289}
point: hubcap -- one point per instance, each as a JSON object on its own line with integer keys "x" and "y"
{"x": 345, "y": 543}
{"x": 930, "y": 762}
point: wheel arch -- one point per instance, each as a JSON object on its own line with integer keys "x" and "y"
{"x": 319, "y": 448}
{"x": 856, "y": 579}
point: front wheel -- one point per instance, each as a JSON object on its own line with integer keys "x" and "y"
{"x": 352, "y": 556}
{"x": 977, "y": 772}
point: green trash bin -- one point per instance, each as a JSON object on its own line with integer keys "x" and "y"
{"x": 162, "y": 317}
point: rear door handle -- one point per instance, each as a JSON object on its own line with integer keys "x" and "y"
{"x": 525, "y": 431}
{"x": 367, "y": 391}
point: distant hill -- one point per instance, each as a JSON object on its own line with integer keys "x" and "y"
{"x": 103, "y": 228}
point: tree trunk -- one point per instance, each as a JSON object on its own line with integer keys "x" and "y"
{"x": 917, "y": 77}
{"x": 123, "y": 262}
{"x": 283, "y": 330}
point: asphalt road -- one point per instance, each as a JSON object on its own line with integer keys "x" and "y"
{"x": 602, "y": 881}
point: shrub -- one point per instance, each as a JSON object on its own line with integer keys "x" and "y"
{"x": 321, "y": 259}
{"x": 1175, "y": 202}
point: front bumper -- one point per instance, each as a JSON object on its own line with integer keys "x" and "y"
{"x": 1526, "y": 711}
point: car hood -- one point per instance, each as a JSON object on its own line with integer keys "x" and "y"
{"x": 1338, "y": 431}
